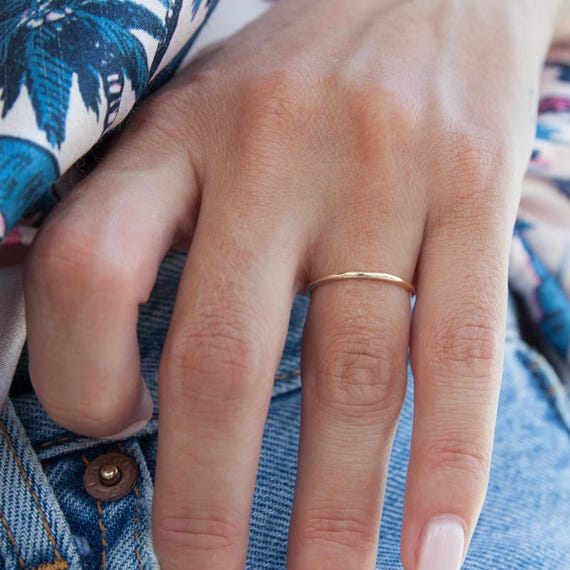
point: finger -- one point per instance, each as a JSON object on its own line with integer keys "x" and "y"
{"x": 91, "y": 266}
{"x": 456, "y": 349}
{"x": 354, "y": 380}
{"x": 216, "y": 376}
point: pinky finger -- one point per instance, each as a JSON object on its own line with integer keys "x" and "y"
{"x": 457, "y": 351}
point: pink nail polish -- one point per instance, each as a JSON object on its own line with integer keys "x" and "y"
{"x": 442, "y": 544}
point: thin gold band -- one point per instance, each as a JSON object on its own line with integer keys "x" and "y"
{"x": 361, "y": 275}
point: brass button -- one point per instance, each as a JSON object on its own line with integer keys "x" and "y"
{"x": 109, "y": 474}
{"x": 110, "y": 477}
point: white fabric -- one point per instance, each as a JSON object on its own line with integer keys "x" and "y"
{"x": 12, "y": 325}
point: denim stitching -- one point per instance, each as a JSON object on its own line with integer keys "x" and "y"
{"x": 32, "y": 492}
{"x": 104, "y": 543}
{"x": 289, "y": 374}
{"x": 534, "y": 365}
{"x": 122, "y": 449}
{"x": 555, "y": 391}
{"x": 12, "y": 540}
{"x": 58, "y": 565}
{"x": 103, "y": 535}
{"x": 59, "y": 440}
{"x": 137, "y": 525}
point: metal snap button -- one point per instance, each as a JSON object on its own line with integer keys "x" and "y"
{"x": 111, "y": 476}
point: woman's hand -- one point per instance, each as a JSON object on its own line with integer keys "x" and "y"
{"x": 328, "y": 136}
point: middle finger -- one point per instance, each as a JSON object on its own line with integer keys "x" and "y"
{"x": 222, "y": 350}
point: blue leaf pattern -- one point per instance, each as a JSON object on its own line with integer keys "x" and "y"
{"x": 554, "y": 322}
{"x": 48, "y": 80}
{"x": 48, "y": 49}
{"x": 60, "y": 38}
{"x": 26, "y": 170}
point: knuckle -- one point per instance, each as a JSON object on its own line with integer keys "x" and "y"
{"x": 167, "y": 115}
{"x": 380, "y": 120}
{"x": 51, "y": 259}
{"x": 277, "y": 102}
{"x": 468, "y": 342}
{"x": 70, "y": 258}
{"x": 465, "y": 458}
{"x": 225, "y": 354}
{"x": 348, "y": 528}
{"x": 94, "y": 416}
{"x": 154, "y": 139}
{"x": 356, "y": 372}
{"x": 193, "y": 534}
{"x": 474, "y": 166}
{"x": 473, "y": 158}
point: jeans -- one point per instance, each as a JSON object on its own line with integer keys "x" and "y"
{"x": 49, "y": 522}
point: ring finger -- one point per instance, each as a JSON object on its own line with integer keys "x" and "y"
{"x": 354, "y": 378}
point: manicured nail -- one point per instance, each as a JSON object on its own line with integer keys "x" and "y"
{"x": 130, "y": 431}
{"x": 146, "y": 405}
{"x": 442, "y": 544}
{"x": 144, "y": 414}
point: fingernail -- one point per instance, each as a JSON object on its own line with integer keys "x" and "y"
{"x": 130, "y": 431}
{"x": 146, "y": 406}
{"x": 442, "y": 544}
{"x": 145, "y": 409}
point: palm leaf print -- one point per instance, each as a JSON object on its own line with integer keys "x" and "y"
{"x": 45, "y": 43}
{"x": 174, "y": 8}
{"x": 26, "y": 170}
{"x": 48, "y": 80}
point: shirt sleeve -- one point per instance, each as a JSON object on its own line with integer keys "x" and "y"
{"x": 539, "y": 268}
{"x": 71, "y": 71}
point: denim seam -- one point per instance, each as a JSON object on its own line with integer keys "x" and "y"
{"x": 534, "y": 365}
{"x": 102, "y": 528}
{"x": 32, "y": 492}
{"x": 137, "y": 525}
{"x": 61, "y": 439}
{"x": 122, "y": 449}
{"x": 552, "y": 390}
{"x": 103, "y": 535}
{"x": 289, "y": 374}
{"x": 12, "y": 540}
{"x": 57, "y": 565}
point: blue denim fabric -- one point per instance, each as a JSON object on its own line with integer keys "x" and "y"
{"x": 47, "y": 518}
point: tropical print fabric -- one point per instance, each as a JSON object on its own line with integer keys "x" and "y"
{"x": 540, "y": 254}
{"x": 71, "y": 70}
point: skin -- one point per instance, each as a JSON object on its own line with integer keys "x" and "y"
{"x": 377, "y": 135}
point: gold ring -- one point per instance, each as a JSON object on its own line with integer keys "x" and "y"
{"x": 361, "y": 275}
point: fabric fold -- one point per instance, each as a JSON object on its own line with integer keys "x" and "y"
{"x": 13, "y": 325}
{"x": 71, "y": 71}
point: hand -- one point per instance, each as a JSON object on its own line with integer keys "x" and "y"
{"x": 327, "y": 136}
